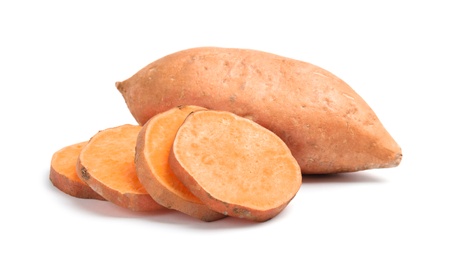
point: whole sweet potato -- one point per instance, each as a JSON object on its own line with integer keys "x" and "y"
{"x": 328, "y": 127}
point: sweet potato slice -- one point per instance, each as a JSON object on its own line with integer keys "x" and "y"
{"x": 234, "y": 165}
{"x": 63, "y": 173}
{"x": 107, "y": 165}
{"x": 152, "y": 152}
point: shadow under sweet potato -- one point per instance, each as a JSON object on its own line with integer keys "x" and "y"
{"x": 348, "y": 177}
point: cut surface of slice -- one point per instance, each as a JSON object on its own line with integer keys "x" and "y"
{"x": 107, "y": 165}
{"x": 63, "y": 173}
{"x": 153, "y": 170}
{"x": 234, "y": 165}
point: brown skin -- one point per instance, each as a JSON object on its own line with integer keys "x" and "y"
{"x": 63, "y": 173}
{"x": 328, "y": 127}
{"x": 107, "y": 165}
{"x": 234, "y": 165}
{"x": 151, "y": 159}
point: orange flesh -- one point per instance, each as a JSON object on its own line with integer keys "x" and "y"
{"x": 237, "y": 161}
{"x": 109, "y": 157}
{"x": 64, "y": 176}
{"x": 159, "y": 139}
{"x": 64, "y": 161}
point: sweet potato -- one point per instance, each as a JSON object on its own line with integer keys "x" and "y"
{"x": 152, "y": 152}
{"x": 107, "y": 165}
{"x": 328, "y": 127}
{"x": 234, "y": 165}
{"x": 63, "y": 173}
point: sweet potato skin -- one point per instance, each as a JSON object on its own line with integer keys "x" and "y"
{"x": 326, "y": 124}
{"x": 67, "y": 180}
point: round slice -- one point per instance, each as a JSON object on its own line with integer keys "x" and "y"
{"x": 107, "y": 165}
{"x": 63, "y": 173}
{"x": 152, "y": 152}
{"x": 234, "y": 165}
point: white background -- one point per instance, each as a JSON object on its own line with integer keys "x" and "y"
{"x": 59, "y": 61}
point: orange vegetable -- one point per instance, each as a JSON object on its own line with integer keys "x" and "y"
{"x": 107, "y": 165}
{"x": 234, "y": 165}
{"x": 328, "y": 127}
{"x": 63, "y": 173}
{"x": 152, "y": 152}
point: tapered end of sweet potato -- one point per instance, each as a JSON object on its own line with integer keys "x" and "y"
{"x": 393, "y": 157}
{"x": 397, "y": 158}
{"x": 120, "y": 87}
{"x": 132, "y": 100}
{"x": 380, "y": 150}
